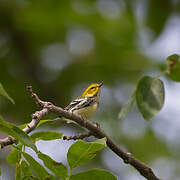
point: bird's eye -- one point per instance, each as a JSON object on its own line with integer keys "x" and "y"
{"x": 93, "y": 87}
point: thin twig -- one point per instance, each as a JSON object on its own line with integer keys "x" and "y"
{"x": 96, "y": 131}
{"x": 78, "y": 136}
{"x": 36, "y": 117}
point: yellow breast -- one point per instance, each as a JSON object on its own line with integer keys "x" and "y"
{"x": 87, "y": 112}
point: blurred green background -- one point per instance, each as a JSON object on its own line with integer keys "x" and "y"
{"x": 61, "y": 46}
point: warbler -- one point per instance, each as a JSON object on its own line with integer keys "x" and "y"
{"x": 86, "y": 104}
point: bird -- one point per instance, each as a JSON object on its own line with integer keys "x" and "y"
{"x": 86, "y": 104}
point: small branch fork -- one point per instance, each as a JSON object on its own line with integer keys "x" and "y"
{"x": 93, "y": 128}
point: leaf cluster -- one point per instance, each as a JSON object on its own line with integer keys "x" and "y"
{"x": 28, "y": 168}
{"x": 150, "y": 92}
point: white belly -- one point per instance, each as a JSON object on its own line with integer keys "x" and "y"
{"x": 87, "y": 112}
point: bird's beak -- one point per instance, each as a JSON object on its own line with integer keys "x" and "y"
{"x": 100, "y": 84}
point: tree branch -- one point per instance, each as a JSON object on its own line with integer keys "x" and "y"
{"x": 95, "y": 130}
{"x": 36, "y": 117}
{"x": 78, "y": 136}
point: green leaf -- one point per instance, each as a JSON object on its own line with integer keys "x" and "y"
{"x": 0, "y": 171}
{"x": 57, "y": 168}
{"x": 25, "y": 169}
{"x": 18, "y": 172}
{"x": 81, "y": 152}
{"x": 5, "y": 94}
{"x": 173, "y": 67}
{"x": 127, "y": 107}
{"x": 37, "y": 168}
{"x": 24, "y": 138}
{"x": 150, "y": 96}
{"x": 22, "y": 126}
{"x": 17, "y": 133}
{"x": 95, "y": 174}
{"x": 14, "y": 156}
{"x": 45, "y": 121}
{"x": 40, "y": 123}
{"x": 46, "y": 135}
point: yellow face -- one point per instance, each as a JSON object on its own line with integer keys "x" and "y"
{"x": 92, "y": 90}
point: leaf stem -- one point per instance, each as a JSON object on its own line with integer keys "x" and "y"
{"x": 69, "y": 175}
{"x": 162, "y": 74}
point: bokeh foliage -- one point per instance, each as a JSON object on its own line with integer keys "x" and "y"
{"x": 36, "y": 34}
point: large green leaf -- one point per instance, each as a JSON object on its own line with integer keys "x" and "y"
{"x": 81, "y": 152}
{"x": 5, "y": 94}
{"x": 150, "y": 96}
{"x": 46, "y": 135}
{"x": 14, "y": 156}
{"x": 37, "y": 168}
{"x": 57, "y": 168}
{"x": 17, "y": 133}
{"x": 95, "y": 174}
{"x": 24, "y": 138}
{"x": 173, "y": 67}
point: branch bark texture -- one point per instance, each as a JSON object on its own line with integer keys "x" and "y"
{"x": 78, "y": 136}
{"x": 94, "y": 129}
